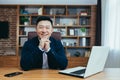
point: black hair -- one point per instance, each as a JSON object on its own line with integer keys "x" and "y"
{"x": 42, "y": 18}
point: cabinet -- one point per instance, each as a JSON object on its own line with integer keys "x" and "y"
{"x": 76, "y": 23}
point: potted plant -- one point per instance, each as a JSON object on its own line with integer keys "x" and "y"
{"x": 25, "y": 20}
{"x": 83, "y": 31}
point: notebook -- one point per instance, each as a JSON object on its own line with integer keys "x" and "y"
{"x": 95, "y": 63}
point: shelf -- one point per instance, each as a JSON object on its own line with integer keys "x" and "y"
{"x": 67, "y": 19}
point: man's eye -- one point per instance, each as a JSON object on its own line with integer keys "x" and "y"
{"x": 47, "y": 27}
{"x": 40, "y": 27}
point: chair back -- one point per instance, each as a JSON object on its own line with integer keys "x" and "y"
{"x": 56, "y": 35}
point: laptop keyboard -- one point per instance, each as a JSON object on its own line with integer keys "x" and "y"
{"x": 79, "y": 71}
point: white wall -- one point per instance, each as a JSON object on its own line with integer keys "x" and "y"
{"x": 113, "y": 60}
{"x": 77, "y": 2}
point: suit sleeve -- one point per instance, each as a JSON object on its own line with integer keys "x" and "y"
{"x": 56, "y": 56}
{"x": 29, "y": 57}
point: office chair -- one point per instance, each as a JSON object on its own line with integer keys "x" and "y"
{"x": 56, "y": 35}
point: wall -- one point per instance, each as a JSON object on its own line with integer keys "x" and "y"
{"x": 113, "y": 57}
{"x": 64, "y": 2}
{"x": 8, "y": 14}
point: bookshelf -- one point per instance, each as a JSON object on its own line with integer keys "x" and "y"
{"x": 76, "y": 23}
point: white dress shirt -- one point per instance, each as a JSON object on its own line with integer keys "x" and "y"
{"x": 45, "y": 59}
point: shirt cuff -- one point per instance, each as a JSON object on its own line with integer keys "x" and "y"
{"x": 43, "y": 50}
{"x": 48, "y": 50}
{"x": 40, "y": 48}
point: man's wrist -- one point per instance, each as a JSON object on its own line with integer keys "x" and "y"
{"x": 48, "y": 50}
{"x": 43, "y": 49}
{"x": 40, "y": 48}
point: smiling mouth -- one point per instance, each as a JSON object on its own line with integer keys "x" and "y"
{"x": 44, "y": 34}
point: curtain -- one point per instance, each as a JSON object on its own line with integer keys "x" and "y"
{"x": 98, "y": 24}
{"x": 111, "y": 31}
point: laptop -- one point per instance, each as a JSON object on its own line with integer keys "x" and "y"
{"x": 95, "y": 63}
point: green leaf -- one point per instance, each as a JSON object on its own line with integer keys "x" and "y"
{"x": 25, "y": 19}
{"x": 83, "y": 29}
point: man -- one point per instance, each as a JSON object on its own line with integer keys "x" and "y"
{"x": 43, "y": 51}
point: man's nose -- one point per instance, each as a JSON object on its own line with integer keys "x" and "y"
{"x": 44, "y": 29}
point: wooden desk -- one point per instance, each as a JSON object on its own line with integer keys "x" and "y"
{"x": 107, "y": 74}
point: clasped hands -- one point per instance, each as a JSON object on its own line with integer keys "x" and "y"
{"x": 44, "y": 44}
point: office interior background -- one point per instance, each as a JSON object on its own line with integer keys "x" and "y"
{"x": 110, "y": 23}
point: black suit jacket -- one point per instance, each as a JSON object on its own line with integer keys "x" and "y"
{"x": 31, "y": 55}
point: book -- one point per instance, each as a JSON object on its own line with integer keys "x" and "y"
{"x": 71, "y": 32}
{"x": 22, "y": 41}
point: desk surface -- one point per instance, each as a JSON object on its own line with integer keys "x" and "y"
{"x": 107, "y": 74}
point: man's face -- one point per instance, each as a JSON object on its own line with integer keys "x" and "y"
{"x": 44, "y": 29}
